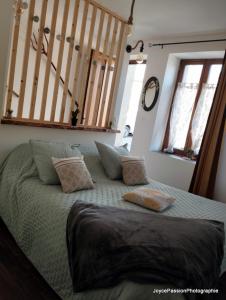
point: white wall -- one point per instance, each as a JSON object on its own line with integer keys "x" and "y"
{"x": 150, "y": 126}
{"x": 11, "y": 136}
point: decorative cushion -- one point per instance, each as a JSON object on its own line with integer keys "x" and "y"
{"x": 73, "y": 174}
{"x": 133, "y": 170}
{"x": 152, "y": 199}
{"x": 110, "y": 158}
{"x": 42, "y": 153}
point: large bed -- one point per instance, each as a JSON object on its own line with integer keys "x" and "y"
{"x": 36, "y": 215}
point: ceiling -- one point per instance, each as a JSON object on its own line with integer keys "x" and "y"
{"x": 170, "y": 18}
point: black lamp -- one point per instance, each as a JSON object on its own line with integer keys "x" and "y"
{"x": 140, "y": 57}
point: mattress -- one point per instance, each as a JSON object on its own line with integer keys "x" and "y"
{"x": 36, "y": 215}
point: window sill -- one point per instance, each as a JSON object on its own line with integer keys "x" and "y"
{"x": 173, "y": 156}
{"x": 56, "y": 126}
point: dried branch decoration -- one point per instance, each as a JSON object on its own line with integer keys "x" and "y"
{"x": 44, "y": 51}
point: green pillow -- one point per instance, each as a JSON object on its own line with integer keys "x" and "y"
{"x": 110, "y": 158}
{"x": 42, "y": 154}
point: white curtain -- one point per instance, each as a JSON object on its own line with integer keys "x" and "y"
{"x": 201, "y": 115}
{"x": 181, "y": 115}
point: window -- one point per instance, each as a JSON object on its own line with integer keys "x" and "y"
{"x": 192, "y": 100}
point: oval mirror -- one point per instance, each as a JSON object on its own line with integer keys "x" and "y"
{"x": 150, "y": 93}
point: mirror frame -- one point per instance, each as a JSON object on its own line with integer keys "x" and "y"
{"x": 147, "y": 85}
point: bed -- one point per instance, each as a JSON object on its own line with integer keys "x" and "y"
{"x": 36, "y": 215}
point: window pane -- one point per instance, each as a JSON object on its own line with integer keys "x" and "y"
{"x": 201, "y": 115}
{"x": 192, "y": 73}
{"x": 214, "y": 74}
{"x": 203, "y": 108}
{"x": 181, "y": 114}
{"x": 183, "y": 105}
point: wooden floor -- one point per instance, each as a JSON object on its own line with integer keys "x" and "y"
{"x": 19, "y": 280}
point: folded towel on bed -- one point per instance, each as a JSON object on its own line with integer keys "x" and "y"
{"x": 107, "y": 245}
{"x": 149, "y": 198}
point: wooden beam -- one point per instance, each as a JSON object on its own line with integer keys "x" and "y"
{"x": 106, "y": 84}
{"x": 99, "y": 103}
{"x": 38, "y": 59}
{"x": 60, "y": 59}
{"x": 86, "y": 64}
{"x": 79, "y": 59}
{"x": 69, "y": 59}
{"x": 46, "y": 124}
{"x": 107, "y": 35}
{"x": 49, "y": 59}
{"x": 26, "y": 59}
{"x": 99, "y": 92}
{"x": 94, "y": 68}
{"x": 116, "y": 76}
{"x": 100, "y": 30}
{"x": 13, "y": 55}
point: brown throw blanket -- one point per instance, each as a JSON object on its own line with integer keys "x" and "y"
{"x": 107, "y": 245}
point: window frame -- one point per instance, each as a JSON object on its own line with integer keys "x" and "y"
{"x": 203, "y": 79}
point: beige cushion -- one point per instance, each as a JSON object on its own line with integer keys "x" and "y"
{"x": 152, "y": 199}
{"x": 73, "y": 174}
{"x": 133, "y": 170}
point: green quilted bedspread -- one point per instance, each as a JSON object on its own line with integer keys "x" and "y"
{"x": 36, "y": 215}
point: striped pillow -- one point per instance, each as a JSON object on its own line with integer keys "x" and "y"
{"x": 133, "y": 170}
{"x": 73, "y": 174}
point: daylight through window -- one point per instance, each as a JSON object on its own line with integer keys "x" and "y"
{"x": 192, "y": 101}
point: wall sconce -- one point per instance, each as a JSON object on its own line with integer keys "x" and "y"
{"x": 140, "y": 56}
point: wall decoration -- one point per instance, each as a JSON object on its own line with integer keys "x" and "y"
{"x": 44, "y": 51}
{"x": 150, "y": 93}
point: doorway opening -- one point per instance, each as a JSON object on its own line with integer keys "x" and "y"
{"x": 131, "y": 99}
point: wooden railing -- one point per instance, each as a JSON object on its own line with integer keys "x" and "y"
{"x": 65, "y": 55}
